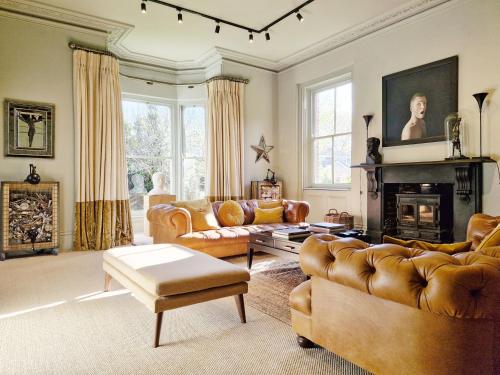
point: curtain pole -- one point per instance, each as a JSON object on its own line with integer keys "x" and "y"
{"x": 75, "y": 46}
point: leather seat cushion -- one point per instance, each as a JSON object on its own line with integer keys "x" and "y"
{"x": 229, "y": 235}
{"x": 170, "y": 269}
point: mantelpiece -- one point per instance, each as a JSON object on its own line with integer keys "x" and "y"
{"x": 463, "y": 175}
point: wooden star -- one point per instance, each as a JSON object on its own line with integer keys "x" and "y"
{"x": 262, "y": 150}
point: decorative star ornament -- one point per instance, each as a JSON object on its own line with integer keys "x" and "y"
{"x": 262, "y": 150}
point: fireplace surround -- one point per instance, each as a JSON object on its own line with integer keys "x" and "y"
{"x": 457, "y": 195}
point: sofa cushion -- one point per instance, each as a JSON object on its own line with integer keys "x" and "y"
{"x": 167, "y": 269}
{"x": 452, "y": 248}
{"x": 271, "y": 203}
{"x": 230, "y": 235}
{"x": 231, "y": 214}
{"x": 492, "y": 239}
{"x": 202, "y": 215}
{"x": 268, "y": 215}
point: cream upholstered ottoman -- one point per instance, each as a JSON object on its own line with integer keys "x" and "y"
{"x": 167, "y": 276}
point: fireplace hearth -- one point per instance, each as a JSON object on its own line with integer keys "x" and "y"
{"x": 431, "y": 201}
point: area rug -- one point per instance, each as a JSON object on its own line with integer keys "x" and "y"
{"x": 272, "y": 280}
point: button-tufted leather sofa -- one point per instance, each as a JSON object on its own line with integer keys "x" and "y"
{"x": 397, "y": 310}
{"x": 171, "y": 224}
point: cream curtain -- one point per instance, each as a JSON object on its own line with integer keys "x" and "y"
{"x": 225, "y": 123}
{"x": 102, "y": 207}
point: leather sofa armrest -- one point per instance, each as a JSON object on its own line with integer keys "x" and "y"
{"x": 295, "y": 211}
{"x": 168, "y": 222}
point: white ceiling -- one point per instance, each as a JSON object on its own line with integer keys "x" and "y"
{"x": 157, "y": 35}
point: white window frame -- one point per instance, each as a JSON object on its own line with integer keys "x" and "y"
{"x": 177, "y": 135}
{"x": 181, "y": 104}
{"x": 307, "y": 92}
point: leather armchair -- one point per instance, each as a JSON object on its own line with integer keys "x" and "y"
{"x": 397, "y": 310}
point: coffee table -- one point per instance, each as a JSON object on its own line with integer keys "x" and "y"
{"x": 264, "y": 241}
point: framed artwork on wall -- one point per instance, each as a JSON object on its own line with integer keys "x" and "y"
{"x": 29, "y": 129}
{"x": 415, "y": 103}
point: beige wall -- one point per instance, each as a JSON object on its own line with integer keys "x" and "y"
{"x": 470, "y": 29}
{"x": 36, "y": 65}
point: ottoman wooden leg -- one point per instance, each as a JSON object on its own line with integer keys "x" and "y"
{"x": 107, "y": 281}
{"x": 159, "y": 318}
{"x": 241, "y": 307}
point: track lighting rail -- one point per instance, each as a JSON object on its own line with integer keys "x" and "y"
{"x": 180, "y": 9}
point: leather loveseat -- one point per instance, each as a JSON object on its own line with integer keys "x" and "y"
{"x": 396, "y": 310}
{"x": 171, "y": 224}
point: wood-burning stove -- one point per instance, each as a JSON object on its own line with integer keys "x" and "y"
{"x": 423, "y": 217}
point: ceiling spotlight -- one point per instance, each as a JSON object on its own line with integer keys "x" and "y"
{"x": 268, "y": 37}
{"x": 299, "y": 17}
{"x": 179, "y": 16}
{"x": 250, "y": 37}
{"x": 143, "y": 7}
{"x": 217, "y": 28}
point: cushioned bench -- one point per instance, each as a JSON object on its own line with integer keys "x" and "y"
{"x": 167, "y": 276}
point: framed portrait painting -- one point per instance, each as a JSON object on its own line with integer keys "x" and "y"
{"x": 415, "y": 103}
{"x": 29, "y": 129}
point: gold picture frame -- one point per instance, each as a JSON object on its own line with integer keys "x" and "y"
{"x": 29, "y": 207}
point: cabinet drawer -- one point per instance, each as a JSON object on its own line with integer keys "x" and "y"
{"x": 287, "y": 246}
{"x": 263, "y": 241}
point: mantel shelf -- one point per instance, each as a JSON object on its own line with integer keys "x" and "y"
{"x": 436, "y": 162}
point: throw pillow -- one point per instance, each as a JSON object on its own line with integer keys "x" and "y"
{"x": 492, "y": 239}
{"x": 231, "y": 214}
{"x": 268, "y": 215}
{"x": 202, "y": 215}
{"x": 452, "y": 248}
{"x": 271, "y": 204}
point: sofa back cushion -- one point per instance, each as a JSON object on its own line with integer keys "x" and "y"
{"x": 202, "y": 215}
{"x": 247, "y": 206}
{"x": 230, "y": 214}
{"x": 268, "y": 215}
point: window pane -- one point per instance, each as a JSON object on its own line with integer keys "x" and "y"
{"x": 148, "y": 129}
{"x": 344, "y": 109}
{"x": 193, "y": 185}
{"x": 342, "y": 157}
{"x": 322, "y": 163}
{"x": 324, "y": 112}
{"x": 148, "y": 145}
{"x": 140, "y": 171}
{"x": 194, "y": 131}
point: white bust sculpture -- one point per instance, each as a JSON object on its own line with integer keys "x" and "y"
{"x": 158, "y": 184}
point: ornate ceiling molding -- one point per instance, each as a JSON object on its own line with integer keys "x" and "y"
{"x": 117, "y": 32}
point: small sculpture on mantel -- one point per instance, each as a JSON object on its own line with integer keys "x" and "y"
{"x": 372, "y": 154}
{"x": 33, "y": 178}
{"x": 159, "y": 182}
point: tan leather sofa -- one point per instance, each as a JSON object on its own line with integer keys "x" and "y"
{"x": 397, "y": 310}
{"x": 171, "y": 224}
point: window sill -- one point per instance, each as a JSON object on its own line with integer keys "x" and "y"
{"x": 327, "y": 188}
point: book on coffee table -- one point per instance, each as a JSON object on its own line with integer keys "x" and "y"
{"x": 324, "y": 227}
{"x": 291, "y": 233}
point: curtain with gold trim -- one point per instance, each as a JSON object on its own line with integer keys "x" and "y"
{"x": 225, "y": 122}
{"x": 103, "y": 218}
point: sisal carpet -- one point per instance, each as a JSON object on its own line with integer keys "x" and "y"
{"x": 54, "y": 319}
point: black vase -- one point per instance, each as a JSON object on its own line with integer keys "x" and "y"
{"x": 33, "y": 178}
